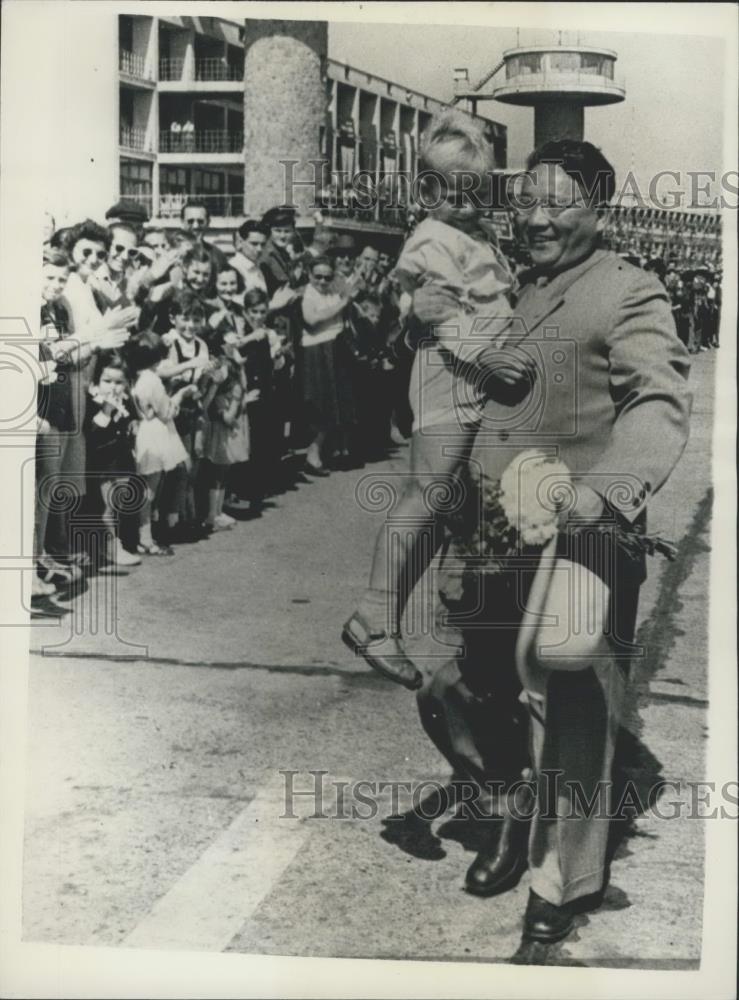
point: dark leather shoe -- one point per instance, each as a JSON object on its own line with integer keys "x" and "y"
{"x": 500, "y": 865}
{"x": 544, "y": 921}
{"x": 382, "y": 652}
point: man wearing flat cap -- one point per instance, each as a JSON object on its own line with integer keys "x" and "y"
{"x": 127, "y": 210}
{"x": 275, "y": 260}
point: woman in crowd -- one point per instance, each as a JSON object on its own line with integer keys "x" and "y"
{"x": 80, "y": 318}
{"x": 326, "y": 384}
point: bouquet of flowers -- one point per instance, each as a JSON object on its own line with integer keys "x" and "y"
{"x": 526, "y": 508}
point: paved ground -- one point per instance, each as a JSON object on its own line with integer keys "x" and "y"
{"x": 155, "y": 787}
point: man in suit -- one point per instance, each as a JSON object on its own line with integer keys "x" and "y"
{"x": 609, "y": 400}
{"x": 196, "y": 221}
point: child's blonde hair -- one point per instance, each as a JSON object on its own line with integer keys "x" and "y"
{"x": 462, "y": 140}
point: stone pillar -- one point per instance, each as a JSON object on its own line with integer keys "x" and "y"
{"x": 285, "y": 104}
{"x": 558, "y": 120}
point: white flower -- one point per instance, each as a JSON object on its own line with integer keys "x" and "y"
{"x": 48, "y": 372}
{"x": 533, "y": 488}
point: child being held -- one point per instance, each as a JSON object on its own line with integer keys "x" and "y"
{"x": 453, "y": 364}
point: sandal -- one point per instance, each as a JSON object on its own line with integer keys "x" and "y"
{"x": 154, "y": 550}
{"x": 382, "y": 651}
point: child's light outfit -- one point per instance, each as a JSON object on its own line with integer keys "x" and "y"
{"x": 158, "y": 445}
{"x": 224, "y": 445}
{"x": 445, "y": 387}
{"x": 185, "y": 350}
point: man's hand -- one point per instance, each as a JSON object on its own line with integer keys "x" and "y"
{"x": 433, "y": 305}
{"x": 120, "y": 317}
{"x": 507, "y": 365}
{"x": 284, "y": 296}
{"x": 162, "y": 265}
{"x": 110, "y": 340}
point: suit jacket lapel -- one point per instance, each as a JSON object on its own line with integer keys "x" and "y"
{"x": 556, "y": 293}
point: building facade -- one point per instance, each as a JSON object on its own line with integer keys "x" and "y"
{"x": 181, "y": 103}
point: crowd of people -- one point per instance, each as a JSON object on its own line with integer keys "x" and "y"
{"x": 203, "y": 383}
{"x": 207, "y": 381}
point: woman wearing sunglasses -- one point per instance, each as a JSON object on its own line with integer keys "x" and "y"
{"x": 111, "y": 283}
{"x": 90, "y": 331}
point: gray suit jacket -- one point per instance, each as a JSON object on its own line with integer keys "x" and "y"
{"x": 610, "y": 398}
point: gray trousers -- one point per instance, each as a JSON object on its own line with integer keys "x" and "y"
{"x": 473, "y": 711}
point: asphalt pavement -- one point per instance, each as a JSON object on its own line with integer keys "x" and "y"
{"x": 167, "y": 733}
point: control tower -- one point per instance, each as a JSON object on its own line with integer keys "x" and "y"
{"x": 558, "y": 81}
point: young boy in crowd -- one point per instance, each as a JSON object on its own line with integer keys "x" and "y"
{"x": 188, "y": 359}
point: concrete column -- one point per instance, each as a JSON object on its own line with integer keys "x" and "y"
{"x": 558, "y": 120}
{"x": 183, "y": 47}
{"x": 146, "y": 43}
{"x": 284, "y": 108}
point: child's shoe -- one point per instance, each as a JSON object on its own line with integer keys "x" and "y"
{"x": 39, "y": 587}
{"x": 382, "y": 651}
{"x": 122, "y": 557}
{"x": 224, "y": 521}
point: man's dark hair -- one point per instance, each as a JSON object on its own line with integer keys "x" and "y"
{"x": 255, "y": 297}
{"x": 582, "y": 161}
{"x": 55, "y": 257}
{"x": 185, "y": 302}
{"x": 194, "y": 203}
{"x": 137, "y": 231}
{"x": 251, "y": 226}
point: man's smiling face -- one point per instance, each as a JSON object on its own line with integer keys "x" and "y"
{"x": 559, "y": 227}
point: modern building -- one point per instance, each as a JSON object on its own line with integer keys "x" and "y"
{"x": 186, "y": 83}
{"x": 558, "y": 81}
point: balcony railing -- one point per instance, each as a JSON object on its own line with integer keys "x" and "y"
{"x": 171, "y": 204}
{"x": 206, "y": 70}
{"x": 133, "y": 65}
{"x": 217, "y": 69}
{"x": 132, "y": 138}
{"x": 207, "y": 141}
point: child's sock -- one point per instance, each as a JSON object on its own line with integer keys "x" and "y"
{"x": 145, "y": 535}
{"x": 378, "y": 607}
{"x": 215, "y": 504}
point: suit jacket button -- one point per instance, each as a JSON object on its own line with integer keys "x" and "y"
{"x": 504, "y": 435}
{"x": 637, "y": 501}
{"x": 647, "y": 486}
{"x": 643, "y": 495}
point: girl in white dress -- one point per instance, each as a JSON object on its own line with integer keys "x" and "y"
{"x": 158, "y": 447}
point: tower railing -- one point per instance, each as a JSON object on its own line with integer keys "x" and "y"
{"x": 545, "y": 79}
